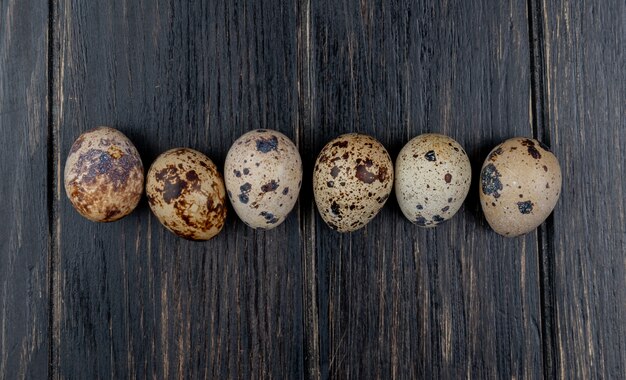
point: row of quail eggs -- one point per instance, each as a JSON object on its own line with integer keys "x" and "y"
{"x": 353, "y": 176}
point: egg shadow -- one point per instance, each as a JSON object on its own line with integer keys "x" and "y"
{"x": 393, "y": 148}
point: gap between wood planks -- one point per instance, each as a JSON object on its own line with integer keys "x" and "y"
{"x": 545, "y": 232}
{"x": 52, "y": 193}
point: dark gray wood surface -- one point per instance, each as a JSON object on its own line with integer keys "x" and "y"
{"x": 24, "y": 191}
{"x": 133, "y": 299}
{"x": 392, "y": 299}
{"x": 129, "y": 299}
{"x": 585, "y": 108}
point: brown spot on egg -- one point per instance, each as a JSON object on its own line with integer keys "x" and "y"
{"x": 173, "y": 189}
{"x": 151, "y": 199}
{"x": 335, "y": 209}
{"x": 179, "y": 151}
{"x": 534, "y": 152}
{"x": 493, "y": 155}
{"x": 364, "y": 175}
{"x": 530, "y": 144}
{"x": 448, "y": 177}
{"x": 191, "y": 176}
{"x": 270, "y": 186}
{"x": 382, "y": 199}
{"x": 112, "y": 213}
{"x": 382, "y": 174}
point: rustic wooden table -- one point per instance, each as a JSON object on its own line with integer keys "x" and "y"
{"x": 80, "y": 300}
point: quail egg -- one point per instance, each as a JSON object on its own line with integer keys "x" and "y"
{"x": 433, "y": 175}
{"x": 352, "y": 179}
{"x": 263, "y": 175}
{"x": 103, "y": 175}
{"x": 520, "y": 183}
{"x": 186, "y": 193}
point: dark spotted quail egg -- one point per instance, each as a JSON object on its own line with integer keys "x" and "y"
{"x": 352, "y": 179}
{"x": 186, "y": 193}
{"x": 103, "y": 175}
{"x": 520, "y": 183}
{"x": 263, "y": 174}
{"x": 433, "y": 175}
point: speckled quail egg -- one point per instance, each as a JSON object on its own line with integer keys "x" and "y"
{"x": 520, "y": 183}
{"x": 103, "y": 175}
{"x": 433, "y": 175}
{"x": 352, "y": 179}
{"x": 186, "y": 193}
{"x": 263, "y": 175}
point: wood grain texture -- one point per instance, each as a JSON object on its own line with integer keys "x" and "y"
{"x": 585, "y": 89}
{"x": 133, "y": 299}
{"x": 24, "y": 240}
{"x": 393, "y": 300}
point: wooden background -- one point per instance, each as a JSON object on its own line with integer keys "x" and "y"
{"x": 80, "y": 300}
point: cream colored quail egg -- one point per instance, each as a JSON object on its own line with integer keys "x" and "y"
{"x": 433, "y": 175}
{"x": 186, "y": 193}
{"x": 520, "y": 183}
{"x": 263, "y": 175}
{"x": 103, "y": 175}
{"x": 352, "y": 179}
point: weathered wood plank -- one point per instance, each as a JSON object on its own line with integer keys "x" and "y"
{"x": 585, "y": 90}
{"x": 24, "y": 233}
{"x": 393, "y": 300}
{"x": 134, "y": 300}
{"x": 306, "y": 211}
